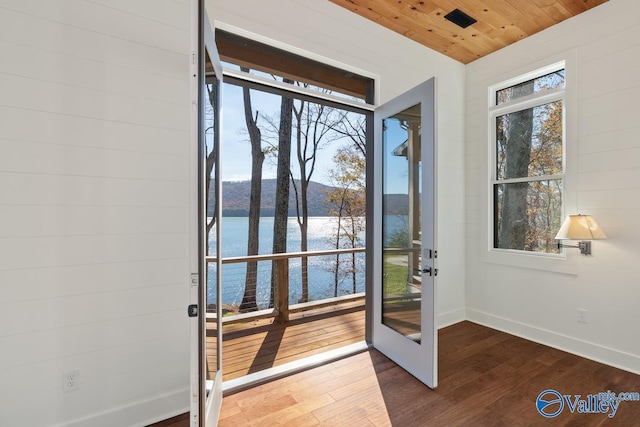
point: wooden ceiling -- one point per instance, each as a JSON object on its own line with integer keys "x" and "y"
{"x": 499, "y": 22}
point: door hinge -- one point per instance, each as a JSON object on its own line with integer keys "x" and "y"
{"x": 429, "y": 253}
{"x": 192, "y": 310}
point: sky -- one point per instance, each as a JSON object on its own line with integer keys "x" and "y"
{"x": 236, "y": 148}
{"x": 236, "y": 165}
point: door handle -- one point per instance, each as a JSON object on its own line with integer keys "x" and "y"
{"x": 192, "y": 310}
{"x": 430, "y": 271}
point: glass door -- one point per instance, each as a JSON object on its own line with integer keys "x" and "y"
{"x": 206, "y": 331}
{"x": 404, "y": 297}
{"x": 211, "y": 293}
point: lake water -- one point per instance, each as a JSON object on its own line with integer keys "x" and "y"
{"x": 321, "y": 276}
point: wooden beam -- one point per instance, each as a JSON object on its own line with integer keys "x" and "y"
{"x": 282, "y": 290}
{"x": 268, "y": 59}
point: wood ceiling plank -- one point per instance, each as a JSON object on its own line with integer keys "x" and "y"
{"x": 463, "y": 41}
{"x": 533, "y": 12}
{"x": 554, "y": 9}
{"x": 485, "y": 15}
{"x": 499, "y": 22}
{"x": 574, "y": 7}
{"x": 491, "y": 24}
{"x": 362, "y": 8}
{"x": 514, "y": 16}
{"x": 454, "y": 49}
{"x": 511, "y": 35}
{"x": 469, "y": 38}
{"x": 412, "y": 24}
{"x": 426, "y": 6}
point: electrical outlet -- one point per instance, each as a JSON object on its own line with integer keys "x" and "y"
{"x": 582, "y": 315}
{"x": 70, "y": 381}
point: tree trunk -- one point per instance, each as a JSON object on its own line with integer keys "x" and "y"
{"x": 304, "y": 185}
{"x": 249, "y": 302}
{"x": 349, "y": 197}
{"x": 315, "y": 122}
{"x": 353, "y": 256}
{"x": 211, "y": 160}
{"x": 336, "y": 271}
{"x": 281, "y": 214}
{"x": 514, "y": 220}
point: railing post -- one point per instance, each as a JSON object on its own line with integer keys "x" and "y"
{"x": 282, "y": 290}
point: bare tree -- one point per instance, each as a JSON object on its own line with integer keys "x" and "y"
{"x": 249, "y": 301}
{"x": 515, "y": 133}
{"x": 349, "y": 208}
{"x": 354, "y": 128}
{"x": 212, "y": 91}
{"x": 313, "y": 126}
{"x": 281, "y": 212}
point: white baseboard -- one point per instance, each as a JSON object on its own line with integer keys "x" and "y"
{"x": 140, "y": 413}
{"x": 598, "y": 353}
{"x": 451, "y": 317}
{"x": 175, "y": 403}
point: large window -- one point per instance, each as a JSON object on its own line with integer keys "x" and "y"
{"x": 527, "y": 122}
{"x": 292, "y": 173}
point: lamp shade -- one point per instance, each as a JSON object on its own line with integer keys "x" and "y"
{"x": 580, "y": 227}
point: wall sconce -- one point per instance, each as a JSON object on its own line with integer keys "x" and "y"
{"x": 580, "y": 227}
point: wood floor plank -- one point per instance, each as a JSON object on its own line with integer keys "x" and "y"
{"x": 486, "y": 378}
{"x": 177, "y": 421}
{"x": 481, "y": 370}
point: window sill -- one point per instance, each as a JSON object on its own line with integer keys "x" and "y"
{"x": 566, "y": 263}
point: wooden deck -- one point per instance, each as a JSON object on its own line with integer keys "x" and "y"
{"x": 260, "y": 344}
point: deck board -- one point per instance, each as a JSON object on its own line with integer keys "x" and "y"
{"x": 260, "y": 344}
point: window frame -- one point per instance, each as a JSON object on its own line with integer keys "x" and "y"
{"x": 337, "y": 72}
{"x": 565, "y": 261}
{"x": 242, "y": 49}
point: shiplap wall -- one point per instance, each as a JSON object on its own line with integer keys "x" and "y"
{"x": 94, "y": 210}
{"x": 542, "y": 305}
{"x": 332, "y": 34}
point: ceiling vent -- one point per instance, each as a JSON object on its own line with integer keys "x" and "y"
{"x": 460, "y": 18}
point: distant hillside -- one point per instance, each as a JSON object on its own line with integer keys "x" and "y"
{"x": 237, "y": 196}
{"x": 396, "y": 204}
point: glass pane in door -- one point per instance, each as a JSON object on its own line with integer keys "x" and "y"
{"x": 212, "y": 137}
{"x": 401, "y": 229}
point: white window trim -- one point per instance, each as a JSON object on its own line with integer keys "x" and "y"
{"x": 291, "y": 88}
{"x": 566, "y": 262}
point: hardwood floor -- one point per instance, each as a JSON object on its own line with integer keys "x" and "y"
{"x": 178, "y": 421}
{"x": 486, "y": 378}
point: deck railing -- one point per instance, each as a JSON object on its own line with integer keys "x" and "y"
{"x": 281, "y": 295}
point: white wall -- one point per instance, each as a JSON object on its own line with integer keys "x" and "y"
{"x": 337, "y": 36}
{"x": 94, "y": 242}
{"x": 542, "y": 305}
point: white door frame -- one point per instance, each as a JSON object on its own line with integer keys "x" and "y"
{"x": 196, "y": 389}
{"x": 205, "y": 397}
{"x": 214, "y": 388}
